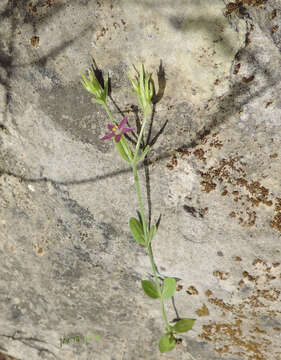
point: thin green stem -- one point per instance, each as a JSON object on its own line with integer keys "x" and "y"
{"x": 139, "y": 139}
{"x": 108, "y": 112}
{"x": 146, "y": 235}
{"x": 148, "y": 244}
{"x": 136, "y": 178}
{"x": 158, "y": 286}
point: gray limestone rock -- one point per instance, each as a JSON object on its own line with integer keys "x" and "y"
{"x": 70, "y": 270}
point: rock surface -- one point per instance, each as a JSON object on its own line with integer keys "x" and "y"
{"x": 69, "y": 266}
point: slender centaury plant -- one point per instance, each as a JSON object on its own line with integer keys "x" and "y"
{"x": 142, "y": 233}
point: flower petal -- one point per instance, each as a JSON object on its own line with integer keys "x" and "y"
{"x": 110, "y": 126}
{"x": 123, "y": 122}
{"x": 118, "y": 137}
{"x": 108, "y": 136}
{"x": 124, "y": 130}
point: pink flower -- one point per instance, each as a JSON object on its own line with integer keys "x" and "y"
{"x": 117, "y": 131}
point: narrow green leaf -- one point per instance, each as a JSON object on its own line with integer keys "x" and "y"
{"x": 97, "y": 101}
{"x": 151, "y": 90}
{"x": 183, "y": 325}
{"x": 145, "y": 151}
{"x": 152, "y": 232}
{"x": 147, "y": 78}
{"x": 134, "y": 82}
{"x": 137, "y": 230}
{"x": 166, "y": 343}
{"x": 168, "y": 287}
{"x": 126, "y": 148}
{"x": 121, "y": 151}
{"x": 149, "y": 289}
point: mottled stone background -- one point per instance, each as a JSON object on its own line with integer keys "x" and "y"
{"x": 69, "y": 266}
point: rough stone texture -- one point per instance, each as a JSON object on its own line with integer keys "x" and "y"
{"x": 69, "y": 266}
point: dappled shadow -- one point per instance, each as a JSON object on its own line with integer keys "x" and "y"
{"x": 198, "y": 21}
{"x": 6, "y": 59}
{"x": 227, "y": 105}
{"x": 20, "y": 13}
{"x": 6, "y": 357}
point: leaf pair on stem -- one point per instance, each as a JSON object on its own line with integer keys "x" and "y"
{"x": 168, "y": 340}
{"x": 137, "y": 231}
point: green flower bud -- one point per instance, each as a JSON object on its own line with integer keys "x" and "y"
{"x": 143, "y": 88}
{"x": 92, "y": 85}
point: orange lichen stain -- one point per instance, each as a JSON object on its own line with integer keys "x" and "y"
{"x": 266, "y": 341}
{"x": 253, "y": 2}
{"x": 208, "y": 186}
{"x": 35, "y": 41}
{"x": 239, "y": 353}
{"x": 220, "y": 303}
{"x": 222, "y": 350}
{"x": 217, "y": 144}
{"x": 203, "y": 311}
{"x": 254, "y": 192}
{"x": 220, "y": 173}
{"x": 253, "y": 341}
{"x": 258, "y": 261}
{"x": 275, "y": 223}
{"x": 232, "y": 333}
{"x": 271, "y": 294}
{"x": 237, "y": 258}
{"x": 278, "y": 204}
{"x": 241, "y": 283}
{"x": 38, "y": 249}
{"x": 256, "y": 329}
{"x": 204, "y": 211}
{"x": 183, "y": 152}
{"x": 221, "y": 275}
{"x": 203, "y": 140}
{"x": 173, "y": 163}
{"x": 241, "y": 181}
{"x": 199, "y": 153}
{"x": 255, "y": 188}
{"x": 248, "y": 276}
{"x": 273, "y": 14}
{"x": 192, "y": 290}
{"x": 102, "y": 33}
{"x": 251, "y": 218}
{"x": 268, "y": 103}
